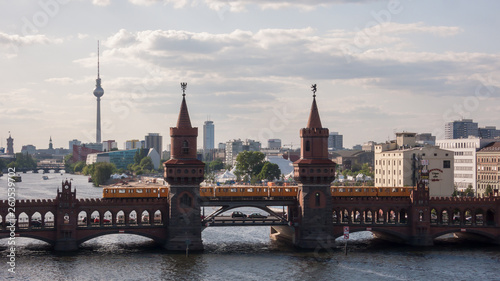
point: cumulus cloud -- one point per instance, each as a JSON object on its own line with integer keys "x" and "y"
{"x": 305, "y": 53}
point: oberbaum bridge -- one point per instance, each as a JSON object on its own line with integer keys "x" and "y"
{"x": 314, "y": 219}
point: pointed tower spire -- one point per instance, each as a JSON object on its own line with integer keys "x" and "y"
{"x": 314, "y": 120}
{"x": 184, "y": 121}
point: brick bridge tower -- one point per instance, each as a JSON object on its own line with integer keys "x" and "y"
{"x": 314, "y": 172}
{"x": 420, "y": 216}
{"x": 184, "y": 173}
{"x": 66, "y": 219}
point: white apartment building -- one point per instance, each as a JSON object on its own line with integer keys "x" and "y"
{"x": 464, "y": 150}
{"x": 398, "y": 163}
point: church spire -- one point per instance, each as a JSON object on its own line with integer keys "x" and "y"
{"x": 184, "y": 121}
{"x": 314, "y": 120}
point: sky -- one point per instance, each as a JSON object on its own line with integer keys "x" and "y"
{"x": 380, "y": 67}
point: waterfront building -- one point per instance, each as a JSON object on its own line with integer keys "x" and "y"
{"x": 397, "y": 164}
{"x": 80, "y": 152}
{"x": 120, "y": 158}
{"x": 335, "y": 141}
{"x": 465, "y": 158}
{"x": 154, "y": 140}
{"x": 488, "y": 168}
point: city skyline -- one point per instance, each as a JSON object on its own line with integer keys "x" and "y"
{"x": 380, "y": 67}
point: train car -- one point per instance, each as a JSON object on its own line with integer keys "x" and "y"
{"x": 237, "y": 191}
{"x": 284, "y": 191}
{"x": 131, "y": 192}
{"x": 394, "y": 191}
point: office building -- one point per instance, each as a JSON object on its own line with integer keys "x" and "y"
{"x": 208, "y": 136}
{"x": 335, "y": 141}
{"x": 274, "y": 144}
{"x": 154, "y": 140}
{"x": 465, "y": 158}
{"x": 460, "y": 129}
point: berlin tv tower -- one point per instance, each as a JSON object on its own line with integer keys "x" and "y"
{"x": 98, "y": 92}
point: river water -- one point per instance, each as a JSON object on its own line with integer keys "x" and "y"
{"x": 235, "y": 253}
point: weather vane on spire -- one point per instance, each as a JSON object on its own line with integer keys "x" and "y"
{"x": 313, "y": 87}
{"x": 183, "y": 86}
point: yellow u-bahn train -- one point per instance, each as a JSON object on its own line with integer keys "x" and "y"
{"x": 256, "y": 191}
{"x": 134, "y": 192}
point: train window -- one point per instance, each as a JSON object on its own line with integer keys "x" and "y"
{"x": 349, "y": 190}
{"x": 242, "y": 190}
{"x": 250, "y": 190}
{"x": 105, "y": 191}
{"x": 130, "y": 191}
{"x": 139, "y": 190}
{"x": 287, "y": 189}
{"x": 234, "y": 190}
{"x": 265, "y": 189}
{"x": 357, "y": 190}
{"x": 341, "y": 190}
{"x": 154, "y": 190}
{"x": 273, "y": 189}
{"x": 121, "y": 190}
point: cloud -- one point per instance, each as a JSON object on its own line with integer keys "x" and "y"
{"x": 101, "y": 3}
{"x": 240, "y": 5}
{"x": 304, "y": 53}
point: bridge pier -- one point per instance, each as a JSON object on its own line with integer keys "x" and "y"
{"x": 66, "y": 245}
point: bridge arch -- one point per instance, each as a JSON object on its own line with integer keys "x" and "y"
{"x": 31, "y": 236}
{"x": 133, "y": 232}
{"x": 229, "y": 208}
{"x": 475, "y": 232}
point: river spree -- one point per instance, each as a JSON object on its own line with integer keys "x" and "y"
{"x": 242, "y": 253}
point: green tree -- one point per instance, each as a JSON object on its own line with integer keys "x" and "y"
{"x": 215, "y": 165}
{"x": 248, "y": 161}
{"x": 78, "y": 166}
{"x": 139, "y": 155}
{"x": 269, "y": 171}
{"x": 147, "y": 164}
{"x": 23, "y": 161}
{"x": 469, "y": 191}
{"x": 102, "y": 171}
{"x": 488, "y": 190}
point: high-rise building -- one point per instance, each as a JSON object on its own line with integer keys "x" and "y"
{"x": 10, "y": 145}
{"x": 73, "y": 142}
{"x": 233, "y": 147}
{"x": 273, "y": 143}
{"x": 335, "y": 141}
{"x": 465, "y": 168}
{"x": 460, "y": 129}
{"x": 154, "y": 140}
{"x": 208, "y": 136}
{"x": 133, "y": 144}
{"x": 109, "y": 145}
{"x": 98, "y": 93}
{"x": 489, "y": 132}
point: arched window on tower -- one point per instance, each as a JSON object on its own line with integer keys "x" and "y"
{"x": 318, "y": 199}
{"x": 186, "y": 200}
{"x": 308, "y": 146}
{"x": 185, "y": 147}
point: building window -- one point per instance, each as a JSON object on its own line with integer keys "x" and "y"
{"x": 317, "y": 199}
{"x": 446, "y": 164}
{"x": 308, "y": 146}
{"x": 185, "y": 147}
{"x": 186, "y": 200}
